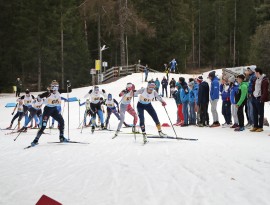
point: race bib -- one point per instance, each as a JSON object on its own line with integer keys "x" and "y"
{"x": 143, "y": 99}
{"x": 53, "y": 101}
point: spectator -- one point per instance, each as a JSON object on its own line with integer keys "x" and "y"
{"x": 241, "y": 98}
{"x": 226, "y": 103}
{"x": 251, "y": 81}
{"x": 173, "y": 65}
{"x": 172, "y": 86}
{"x": 184, "y": 95}
{"x": 203, "y": 101}
{"x": 180, "y": 116}
{"x": 157, "y": 83}
{"x": 164, "y": 84}
{"x": 214, "y": 96}
{"x": 146, "y": 70}
{"x": 260, "y": 96}
{"x": 18, "y": 87}
{"x": 192, "y": 102}
{"x": 233, "y": 91}
{"x": 167, "y": 70}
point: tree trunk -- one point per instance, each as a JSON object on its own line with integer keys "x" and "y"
{"x": 39, "y": 69}
{"x": 122, "y": 34}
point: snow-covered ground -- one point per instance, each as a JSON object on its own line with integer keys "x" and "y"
{"x": 222, "y": 167}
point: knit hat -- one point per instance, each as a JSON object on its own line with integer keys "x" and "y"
{"x": 200, "y": 79}
{"x": 251, "y": 68}
{"x": 212, "y": 74}
{"x": 181, "y": 79}
{"x": 231, "y": 79}
{"x": 241, "y": 76}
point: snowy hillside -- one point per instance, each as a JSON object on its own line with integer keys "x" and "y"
{"x": 221, "y": 168}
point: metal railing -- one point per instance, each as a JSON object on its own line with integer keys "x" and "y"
{"x": 119, "y": 71}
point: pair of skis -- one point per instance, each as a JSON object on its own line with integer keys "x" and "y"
{"x": 68, "y": 142}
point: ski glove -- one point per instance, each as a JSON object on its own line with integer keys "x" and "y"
{"x": 103, "y": 90}
{"x": 12, "y": 113}
{"x": 164, "y": 103}
{"x": 90, "y": 91}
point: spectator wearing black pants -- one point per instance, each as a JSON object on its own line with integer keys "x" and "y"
{"x": 18, "y": 87}
{"x": 172, "y": 86}
{"x": 260, "y": 96}
{"x": 241, "y": 98}
{"x": 203, "y": 101}
{"x": 164, "y": 84}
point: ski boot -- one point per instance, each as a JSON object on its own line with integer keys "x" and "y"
{"x": 144, "y": 138}
{"x": 63, "y": 139}
{"x": 161, "y": 134}
{"x": 93, "y": 129}
{"x": 23, "y": 129}
{"x": 116, "y": 134}
{"x": 9, "y": 127}
{"x": 34, "y": 143}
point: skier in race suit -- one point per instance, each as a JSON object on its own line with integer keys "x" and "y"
{"x": 19, "y": 114}
{"x": 127, "y": 95}
{"x": 95, "y": 105}
{"x": 53, "y": 99}
{"x": 144, "y": 104}
{"x": 34, "y": 110}
{"x": 112, "y": 107}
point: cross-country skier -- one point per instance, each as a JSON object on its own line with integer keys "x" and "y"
{"x": 53, "y": 99}
{"x": 127, "y": 95}
{"x": 112, "y": 107}
{"x": 27, "y": 104}
{"x": 95, "y": 105}
{"x": 19, "y": 114}
{"x": 34, "y": 110}
{"x": 88, "y": 111}
{"x": 144, "y": 103}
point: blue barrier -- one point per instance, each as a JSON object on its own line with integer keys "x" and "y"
{"x": 11, "y": 105}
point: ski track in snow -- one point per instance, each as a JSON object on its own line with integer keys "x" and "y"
{"x": 222, "y": 167}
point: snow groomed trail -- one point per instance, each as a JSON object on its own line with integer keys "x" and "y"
{"x": 222, "y": 167}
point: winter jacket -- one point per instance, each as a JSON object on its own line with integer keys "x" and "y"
{"x": 264, "y": 89}
{"x": 176, "y": 96}
{"x": 157, "y": 83}
{"x": 172, "y": 84}
{"x": 214, "y": 91}
{"x": 146, "y": 70}
{"x": 191, "y": 96}
{"x": 203, "y": 93}
{"x": 241, "y": 94}
{"x": 233, "y": 91}
{"x": 196, "y": 90}
{"x": 178, "y": 85}
{"x": 164, "y": 83}
{"x": 184, "y": 94}
{"x": 251, "y": 81}
{"x": 225, "y": 95}
{"x": 19, "y": 84}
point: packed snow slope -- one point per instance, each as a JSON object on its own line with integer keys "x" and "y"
{"x": 222, "y": 167}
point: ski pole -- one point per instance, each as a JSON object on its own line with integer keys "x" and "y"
{"x": 171, "y": 122}
{"x": 17, "y": 136}
{"x": 133, "y": 123}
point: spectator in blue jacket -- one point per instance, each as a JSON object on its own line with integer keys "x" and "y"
{"x": 233, "y": 90}
{"x": 251, "y": 81}
{"x": 214, "y": 97}
{"x": 192, "y": 102}
{"x": 226, "y": 102}
{"x": 184, "y": 95}
{"x": 157, "y": 83}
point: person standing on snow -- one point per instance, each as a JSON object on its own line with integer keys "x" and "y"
{"x": 172, "y": 86}
{"x": 214, "y": 97}
{"x": 203, "y": 101}
{"x": 146, "y": 71}
{"x": 241, "y": 98}
{"x": 173, "y": 65}
{"x": 233, "y": 91}
{"x": 226, "y": 103}
{"x": 164, "y": 84}
{"x": 144, "y": 104}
